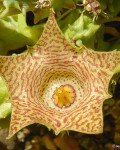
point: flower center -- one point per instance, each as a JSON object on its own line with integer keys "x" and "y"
{"x": 64, "y": 95}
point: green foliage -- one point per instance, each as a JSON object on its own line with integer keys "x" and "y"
{"x": 70, "y": 18}
{"x": 82, "y": 30}
{"x": 5, "y": 105}
{"x": 4, "y": 95}
{"x": 78, "y": 26}
{"x": 111, "y": 7}
{"x": 13, "y": 7}
{"x": 14, "y": 33}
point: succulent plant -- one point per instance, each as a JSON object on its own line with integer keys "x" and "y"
{"x": 57, "y": 84}
{"x": 61, "y": 80}
{"x": 5, "y": 104}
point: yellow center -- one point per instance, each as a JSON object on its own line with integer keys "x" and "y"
{"x": 64, "y": 95}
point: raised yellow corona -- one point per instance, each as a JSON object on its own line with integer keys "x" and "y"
{"x": 64, "y": 96}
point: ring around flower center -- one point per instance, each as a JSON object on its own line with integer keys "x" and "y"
{"x": 64, "y": 96}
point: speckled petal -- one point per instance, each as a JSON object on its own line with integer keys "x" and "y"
{"x": 33, "y": 78}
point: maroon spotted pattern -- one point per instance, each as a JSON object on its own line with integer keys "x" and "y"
{"x": 26, "y": 74}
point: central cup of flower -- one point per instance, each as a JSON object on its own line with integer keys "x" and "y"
{"x": 64, "y": 96}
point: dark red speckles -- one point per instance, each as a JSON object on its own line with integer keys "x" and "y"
{"x": 58, "y": 124}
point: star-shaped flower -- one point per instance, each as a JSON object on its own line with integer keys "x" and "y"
{"x": 58, "y": 85}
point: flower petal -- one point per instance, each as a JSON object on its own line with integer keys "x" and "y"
{"x": 33, "y": 78}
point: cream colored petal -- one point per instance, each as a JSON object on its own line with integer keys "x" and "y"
{"x": 32, "y": 79}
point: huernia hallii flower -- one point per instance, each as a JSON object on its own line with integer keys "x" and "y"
{"x": 58, "y": 85}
